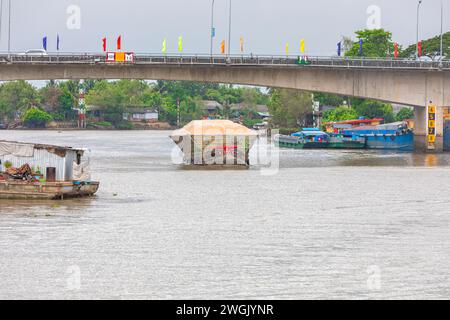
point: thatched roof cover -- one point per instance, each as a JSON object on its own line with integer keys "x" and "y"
{"x": 213, "y": 128}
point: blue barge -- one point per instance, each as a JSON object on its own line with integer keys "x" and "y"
{"x": 394, "y": 136}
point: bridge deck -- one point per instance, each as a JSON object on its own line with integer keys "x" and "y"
{"x": 234, "y": 60}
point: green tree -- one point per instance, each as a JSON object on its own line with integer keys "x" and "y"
{"x": 430, "y": 47}
{"x": 374, "y": 109}
{"x": 377, "y": 43}
{"x": 289, "y": 108}
{"x": 341, "y": 113}
{"x": 17, "y": 97}
{"x": 404, "y": 113}
{"x": 36, "y": 118}
{"x": 328, "y": 99}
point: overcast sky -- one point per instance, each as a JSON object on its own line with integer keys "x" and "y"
{"x": 266, "y": 25}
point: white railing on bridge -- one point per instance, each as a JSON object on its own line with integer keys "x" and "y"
{"x": 205, "y": 59}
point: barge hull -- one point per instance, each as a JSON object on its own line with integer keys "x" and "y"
{"x": 45, "y": 191}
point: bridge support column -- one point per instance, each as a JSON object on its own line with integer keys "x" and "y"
{"x": 420, "y": 128}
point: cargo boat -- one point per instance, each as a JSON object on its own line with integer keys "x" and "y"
{"x": 312, "y": 138}
{"x": 215, "y": 143}
{"x": 390, "y": 136}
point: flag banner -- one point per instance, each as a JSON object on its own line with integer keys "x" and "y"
{"x": 164, "y": 46}
{"x": 396, "y": 50}
{"x": 339, "y": 48}
{"x": 222, "y": 47}
{"x": 104, "y": 44}
{"x": 180, "y": 44}
{"x": 419, "y": 48}
{"x": 119, "y": 43}
{"x": 44, "y": 43}
{"x": 213, "y": 32}
{"x": 120, "y": 57}
{"x": 302, "y": 46}
{"x": 242, "y": 44}
{"x": 361, "y": 47}
{"x": 57, "y": 42}
{"x": 287, "y": 48}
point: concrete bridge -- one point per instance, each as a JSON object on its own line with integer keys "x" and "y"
{"x": 399, "y": 81}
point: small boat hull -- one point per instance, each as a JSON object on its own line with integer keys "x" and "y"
{"x": 11, "y": 189}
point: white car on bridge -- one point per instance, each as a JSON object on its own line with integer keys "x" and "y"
{"x": 35, "y": 53}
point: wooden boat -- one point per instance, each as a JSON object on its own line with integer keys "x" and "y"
{"x": 17, "y": 189}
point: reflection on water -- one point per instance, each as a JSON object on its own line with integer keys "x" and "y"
{"x": 316, "y": 229}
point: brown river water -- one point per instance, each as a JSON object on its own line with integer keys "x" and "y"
{"x": 326, "y": 224}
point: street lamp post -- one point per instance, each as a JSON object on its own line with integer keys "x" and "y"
{"x": 442, "y": 26}
{"x": 1, "y": 19}
{"x": 229, "y": 32}
{"x": 212, "y": 27}
{"x": 417, "y": 34}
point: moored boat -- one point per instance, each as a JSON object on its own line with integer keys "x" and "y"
{"x": 215, "y": 143}
{"x": 390, "y": 136}
{"x": 313, "y": 138}
{"x": 38, "y": 171}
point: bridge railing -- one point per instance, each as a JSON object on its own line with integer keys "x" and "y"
{"x": 249, "y": 60}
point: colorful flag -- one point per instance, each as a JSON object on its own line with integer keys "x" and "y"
{"x": 180, "y": 44}
{"x": 361, "y": 42}
{"x": 302, "y": 46}
{"x": 242, "y": 44}
{"x": 104, "y": 44}
{"x": 44, "y": 43}
{"x": 164, "y": 46}
{"x": 222, "y": 47}
{"x": 119, "y": 43}
{"x": 57, "y": 42}
{"x": 287, "y": 48}
{"x": 339, "y": 48}
{"x": 419, "y": 48}
{"x": 396, "y": 50}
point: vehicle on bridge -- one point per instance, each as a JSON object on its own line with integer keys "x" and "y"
{"x": 35, "y": 53}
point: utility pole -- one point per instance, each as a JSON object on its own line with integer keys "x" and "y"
{"x": 417, "y": 34}
{"x": 213, "y": 31}
{"x": 178, "y": 112}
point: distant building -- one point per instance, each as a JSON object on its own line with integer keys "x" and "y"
{"x": 211, "y": 107}
{"x": 141, "y": 114}
{"x": 242, "y": 106}
{"x": 132, "y": 113}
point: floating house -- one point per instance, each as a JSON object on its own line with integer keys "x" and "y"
{"x": 215, "y": 142}
{"x": 52, "y": 171}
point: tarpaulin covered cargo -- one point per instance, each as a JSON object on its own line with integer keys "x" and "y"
{"x": 215, "y": 142}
